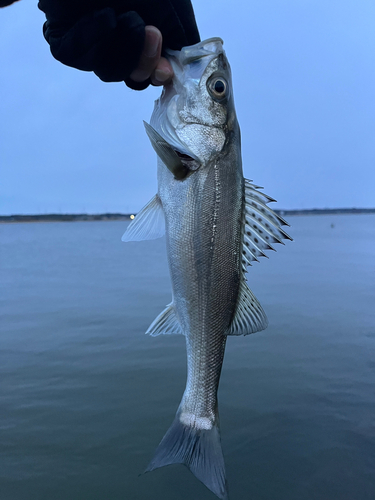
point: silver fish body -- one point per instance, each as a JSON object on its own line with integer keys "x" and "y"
{"x": 216, "y": 223}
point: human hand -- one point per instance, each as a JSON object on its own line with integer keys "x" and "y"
{"x": 151, "y": 64}
{"x": 119, "y": 44}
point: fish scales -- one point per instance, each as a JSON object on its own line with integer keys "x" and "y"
{"x": 216, "y": 223}
{"x": 205, "y": 279}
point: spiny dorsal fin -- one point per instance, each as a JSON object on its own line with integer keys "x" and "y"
{"x": 148, "y": 224}
{"x": 249, "y": 316}
{"x": 261, "y": 225}
{"x": 166, "y": 322}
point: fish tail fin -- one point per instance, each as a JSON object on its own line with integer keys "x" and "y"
{"x": 197, "y": 448}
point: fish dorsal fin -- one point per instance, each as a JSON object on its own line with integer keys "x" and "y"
{"x": 261, "y": 228}
{"x": 261, "y": 225}
{"x": 166, "y": 322}
{"x": 148, "y": 224}
{"x": 249, "y": 316}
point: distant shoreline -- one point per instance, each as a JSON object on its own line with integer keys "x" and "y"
{"x": 118, "y": 216}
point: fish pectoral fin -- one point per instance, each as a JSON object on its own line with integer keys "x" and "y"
{"x": 249, "y": 316}
{"x": 148, "y": 224}
{"x": 166, "y": 153}
{"x": 166, "y": 322}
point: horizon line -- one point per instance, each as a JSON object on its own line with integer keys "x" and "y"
{"x": 66, "y": 217}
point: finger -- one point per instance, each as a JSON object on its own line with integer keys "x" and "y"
{"x": 150, "y": 55}
{"x": 163, "y": 73}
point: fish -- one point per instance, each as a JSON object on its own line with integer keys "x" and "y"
{"x": 216, "y": 223}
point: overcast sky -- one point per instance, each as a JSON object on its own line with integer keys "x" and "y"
{"x": 304, "y": 86}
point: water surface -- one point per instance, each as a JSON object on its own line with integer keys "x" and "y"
{"x": 85, "y": 396}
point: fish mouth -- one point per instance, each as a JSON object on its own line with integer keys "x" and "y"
{"x": 191, "y": 53}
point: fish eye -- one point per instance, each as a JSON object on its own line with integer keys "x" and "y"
{"x": 218, "y": 88}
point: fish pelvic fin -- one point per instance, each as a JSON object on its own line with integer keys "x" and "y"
{"x": 148, "y": 224}
{"x": 199, "y": 449}
{"x": 166, "y": 322}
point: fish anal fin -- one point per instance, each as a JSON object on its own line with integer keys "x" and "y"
{"x": 148, "y": 224}
{"x": 165, "y": 323}
{"x": 249, "y": 316}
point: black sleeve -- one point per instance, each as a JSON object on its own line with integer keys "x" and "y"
{"x": 5, "y": 3}
{"x": 107, "y": 36}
